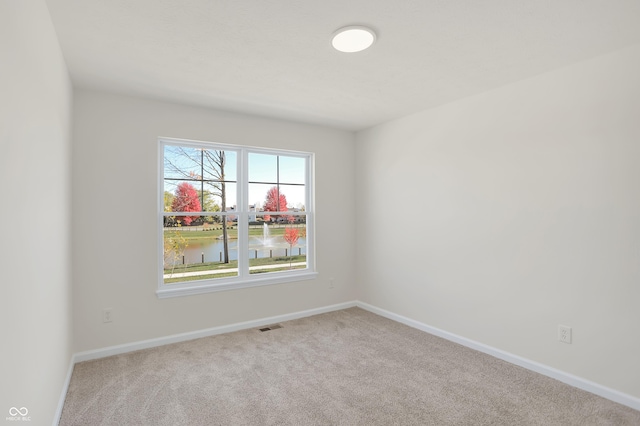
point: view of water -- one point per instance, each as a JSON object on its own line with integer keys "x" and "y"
{"x": 212, "y": 249}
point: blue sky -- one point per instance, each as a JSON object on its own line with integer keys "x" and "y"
{"x": 263, "y": 168}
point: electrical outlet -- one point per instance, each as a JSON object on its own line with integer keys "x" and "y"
{"x": 564, "y": 333}
{"x": 332, "y": 282}
{"x": 107, "y": 315}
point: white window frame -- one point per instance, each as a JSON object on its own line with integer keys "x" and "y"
{"x": 244, "y": 279}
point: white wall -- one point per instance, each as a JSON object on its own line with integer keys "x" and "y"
{"x": 35, "y": 289}
{"x": 500, "y": 216}
{"x": 114, "y": 230}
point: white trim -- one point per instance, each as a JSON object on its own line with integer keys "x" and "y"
{"x": 578, "y": 382}
{"x": 242, "y": 196}
{"x": 160, "y": 341}
{"x": 65, "y": 389}
{"x": 545, "y": 370}
{"x": 243, "y": 277}
{"x": 189, "y": 288}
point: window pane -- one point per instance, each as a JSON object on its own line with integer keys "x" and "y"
{"x": 230, "y": 195}
{"x": 198, "y": 251}
{"x": 272, "y": 198}
{"x": 258, "y": 196}
{"x": 276, "y": 247}
{"x": 181, "y": 162}
{"x": 219, "y": 165}
{"x": 210, "y": 198}
{"x": 263, "y": 168}
{"x": 294, "y": 195}
{"x": 182, "y": 196}
{"x": 190, "y": 196}
{"x": 292, "y": 170}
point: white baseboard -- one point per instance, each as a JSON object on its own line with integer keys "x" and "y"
{"x": 63, "y": 395}
{"x": 578, "y": 382}
{"x": 160, "y": 341}
{"x": 135, "y": 346}
{"x": 545, "y": 370}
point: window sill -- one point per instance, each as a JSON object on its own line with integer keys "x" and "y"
{"x": 210, "y": 286}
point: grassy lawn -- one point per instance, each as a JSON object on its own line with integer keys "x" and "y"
{"x": 199, "y": 277}
{"x": 215, "y": 266}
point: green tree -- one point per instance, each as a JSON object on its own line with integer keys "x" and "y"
{"x": 174, "y": 246}
{"x": 168, "y": 200}
{"x": 207, "y": 200}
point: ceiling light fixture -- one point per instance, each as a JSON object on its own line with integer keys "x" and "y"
{"x": 353, "y": 39}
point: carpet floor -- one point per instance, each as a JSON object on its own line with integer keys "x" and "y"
{"x": 348, "y": 367}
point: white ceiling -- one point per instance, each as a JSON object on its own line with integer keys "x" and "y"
{"x": 274, "y": 58}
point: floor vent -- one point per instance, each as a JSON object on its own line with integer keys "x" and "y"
{"x": 271, "y": 327}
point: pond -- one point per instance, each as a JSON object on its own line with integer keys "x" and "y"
{"x": 212, "y": 249}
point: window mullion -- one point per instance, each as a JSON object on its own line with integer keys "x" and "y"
{"x": 310, "y": 210}
{"x": 243, "y": 215}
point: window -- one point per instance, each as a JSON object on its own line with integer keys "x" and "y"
{"x": 233, "y": 217}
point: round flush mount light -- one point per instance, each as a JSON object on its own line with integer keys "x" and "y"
{"x": 353, "y": 39}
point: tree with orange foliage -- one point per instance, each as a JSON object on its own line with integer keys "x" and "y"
{"x": 291, "y": 236}
{"x": 276, "y": 202}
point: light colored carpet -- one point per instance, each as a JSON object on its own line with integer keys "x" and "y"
{"x": 348, "y": 367}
